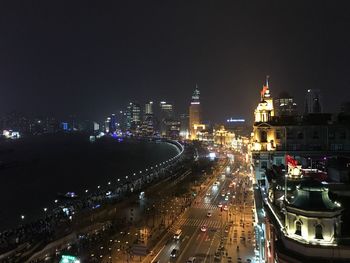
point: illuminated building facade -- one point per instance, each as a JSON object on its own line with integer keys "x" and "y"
{"x": 223, "y": 137}
{"x": 195, "y": 112}
{"x": 302, "y": 224}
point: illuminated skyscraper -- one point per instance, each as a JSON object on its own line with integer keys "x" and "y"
{"x": 166, "y": 115}
{"x": 147, "y": 127}
{"x": 149, "y": 108}
{"x": 195, "y": 118}
{"x": 133, "y": 116}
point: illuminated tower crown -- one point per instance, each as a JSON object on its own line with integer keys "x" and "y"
{"x": 195, "y": 96}
{"x": 264, "y": 111}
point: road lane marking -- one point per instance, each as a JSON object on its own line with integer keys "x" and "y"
{"x": 158, "y": 254}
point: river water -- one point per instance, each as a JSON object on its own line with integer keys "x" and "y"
{"x": 34, "y": 170}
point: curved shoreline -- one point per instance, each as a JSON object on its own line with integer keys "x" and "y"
{"x": 126, "y": 185}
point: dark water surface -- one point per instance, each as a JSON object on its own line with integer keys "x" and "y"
{"x": 34, "y": 170}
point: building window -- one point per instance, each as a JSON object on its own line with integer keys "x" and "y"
{"x": 318, "y": 232}
{"x": 298, "y": 228}
{"x": 278, "y": 135}
{"x": 336, "y": 147}
{"x": 263, "y": 136}
{"x": 278, "y": 161}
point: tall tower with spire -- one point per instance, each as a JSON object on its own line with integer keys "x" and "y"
{"x": 195, "y": 113}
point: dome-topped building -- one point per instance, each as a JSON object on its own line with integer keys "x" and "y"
{"x": 312, "y": 217}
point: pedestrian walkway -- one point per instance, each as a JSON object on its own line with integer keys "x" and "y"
{"x": 210, "y": 224}
{"x": 206, "y": 206}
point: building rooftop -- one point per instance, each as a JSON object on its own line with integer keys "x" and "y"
{"x": 311, "y": 195}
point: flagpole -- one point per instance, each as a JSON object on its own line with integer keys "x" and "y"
{"x": 285, "y": 187}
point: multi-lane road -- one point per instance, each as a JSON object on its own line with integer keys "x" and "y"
{"x": 218, "y": 227}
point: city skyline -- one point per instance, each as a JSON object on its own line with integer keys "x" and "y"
{"x": 174, "y": 131}
{"x": 60, "y": 60}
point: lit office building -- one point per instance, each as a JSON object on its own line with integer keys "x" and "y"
{"x": 195, "y": 118}
{"x": 285, "y": 105}
{"x": 133, "y": 116}
{"x": 147, "y": 127}
{"x": 149, "y": 108}
{"x": 166, "y": 115}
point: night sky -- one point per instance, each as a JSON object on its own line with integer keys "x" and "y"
{"x": 91, "y": 59}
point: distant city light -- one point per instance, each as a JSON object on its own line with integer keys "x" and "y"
{"x": 235, "y": 120}
{"x": 9, "y": 134}
{"x": 212, "y": 155}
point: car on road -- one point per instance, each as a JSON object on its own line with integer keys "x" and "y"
{"x": 204, "y": 228}
{"x": 226, "y": 198}
{"x": 208, "y": 194}
{"x": 209, "y": 214}
{"x": 177, "y": 234}
{"x": 225, "y": 207}
{"x": 191, "y": 260}
{"x": 173, "y": 253}
{"x": 219, "y": 205}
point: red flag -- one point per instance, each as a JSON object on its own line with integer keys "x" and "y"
{"x": 291, "y": 161}
{"x": 262, "y": 92}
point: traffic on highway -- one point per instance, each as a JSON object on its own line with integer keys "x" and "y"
{"x": 219, "y": 225}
